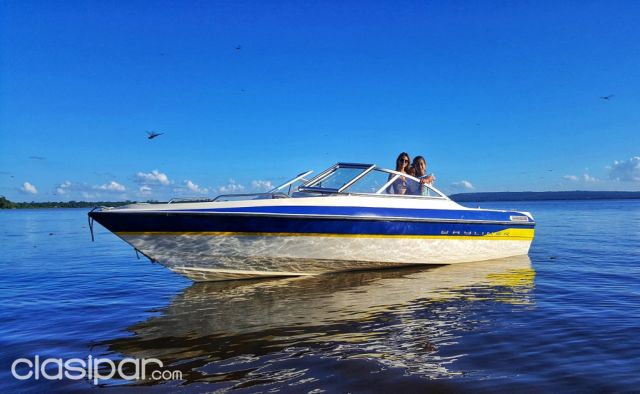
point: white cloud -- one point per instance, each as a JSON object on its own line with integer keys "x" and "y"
{"x": 145, "y": 190}
{"x": 153, "y": 177}
{"x": 586, "y": 178}
{"x": 63, "y": 188}
{"x": 462, "y": 185}
{"x": 29, "y": 188}
{"x": 261, "y": 185}
{"x": 232, "y": 187}
{"x": 195, "y": 188}
{"x": 626, "y": 170}
{"x": 112, "y": 186}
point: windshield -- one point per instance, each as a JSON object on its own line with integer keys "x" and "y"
{"x": 292, "y": 184}
{"x": 338, "y": 177}
{"x": 371, "y": 183}
{"x": 369, "y": 179}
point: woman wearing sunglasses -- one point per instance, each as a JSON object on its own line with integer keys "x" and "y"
{"x": 399, "y": 186}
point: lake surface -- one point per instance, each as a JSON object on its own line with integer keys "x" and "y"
{"x": 565, "y": 319}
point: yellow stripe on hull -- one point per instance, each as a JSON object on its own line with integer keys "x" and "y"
{"x": 510, "y": 234}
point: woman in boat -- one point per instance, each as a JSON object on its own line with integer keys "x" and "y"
{"x": 418, "y": 169}
{"x": 399, "y": 186}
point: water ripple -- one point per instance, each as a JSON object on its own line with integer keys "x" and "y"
{"x": 565, "y": 320}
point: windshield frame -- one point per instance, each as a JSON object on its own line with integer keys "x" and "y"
{"x": 299, "y": 177}
{"x": 367, "y": 168}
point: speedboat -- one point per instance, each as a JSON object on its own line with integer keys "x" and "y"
{"x": 349, "y": 217}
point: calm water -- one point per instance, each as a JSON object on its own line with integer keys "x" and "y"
{"x": 568, "y": 319}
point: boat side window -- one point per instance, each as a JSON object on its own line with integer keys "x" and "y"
{"x": 370, "y": 183}
{"x": 403, "y": 185}
{"x": 292, "y": 188}
{"x": 337, "y": 178}
{"x": 415, "y": 188}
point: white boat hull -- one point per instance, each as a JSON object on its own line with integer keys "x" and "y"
{"x": 206, "y": 257}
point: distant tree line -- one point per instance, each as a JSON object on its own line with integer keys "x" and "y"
{"x": 544, "y": 196}
{"x": 462, "y": 197}
{"x": 6, "y": 204}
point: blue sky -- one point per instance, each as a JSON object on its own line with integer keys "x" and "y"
{"x": 498, "y": 96}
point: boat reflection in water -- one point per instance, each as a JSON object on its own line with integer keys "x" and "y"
{"x": 252, "y": 332}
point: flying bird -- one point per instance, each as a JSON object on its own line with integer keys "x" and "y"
{"x": 153, "y": 134}
{"x": 239, "y": 47}
{"x": 606, "y": 97}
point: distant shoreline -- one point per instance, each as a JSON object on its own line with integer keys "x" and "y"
{"x": 544, "y": 196}
{"x": 6, "y": 204}
{"x": 460, "y": 197}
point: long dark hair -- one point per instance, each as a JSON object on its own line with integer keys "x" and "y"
{"x": 415, "y": 167}
{"x": 400, "y": 166}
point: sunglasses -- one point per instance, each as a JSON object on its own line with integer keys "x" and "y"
{"x": 403, "y": 160}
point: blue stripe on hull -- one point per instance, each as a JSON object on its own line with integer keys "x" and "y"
{"x": 181, "y": 222}
{"x": 372, "y": 212}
